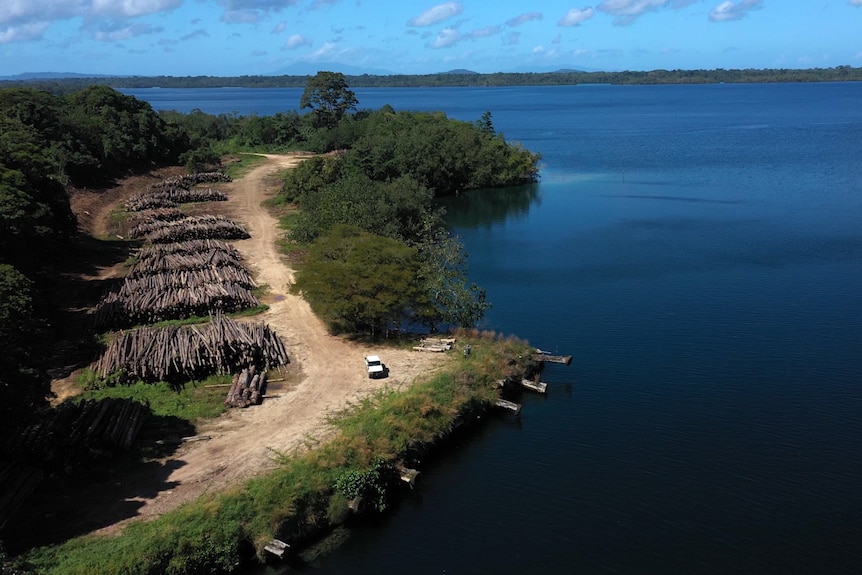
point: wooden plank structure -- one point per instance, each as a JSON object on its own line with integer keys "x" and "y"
{"x": 537, "y": 386}
{"x": 510, "y": 405}
{"x": 407, "y": 475}
{"x": 277, "y": 547}
{"x": 549, "y": 358}
{"x": 435, "y": 344}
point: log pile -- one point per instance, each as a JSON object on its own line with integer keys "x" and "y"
{"x": 181, "y": 353}
{"x": 188, "y": 180}
{"x": 188, "y": 247}
{"x": 17, "y": 481}
{"x": 161, "y": 214}
{"x": 189, "y": 228}
{"x": 183, "y": 271}
{"x": 248, "y": 388}
{"x": 90, "y": 426}
{"x": 160, "y": 258}
{"x": 171, "y": 197}
{"x": 175, "y": 295}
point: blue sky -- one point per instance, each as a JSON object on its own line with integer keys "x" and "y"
{"x": 250, "y": 37}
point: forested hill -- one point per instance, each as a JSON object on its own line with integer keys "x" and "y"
{"x": 464, "y": 78}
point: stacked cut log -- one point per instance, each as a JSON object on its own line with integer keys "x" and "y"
{"x": 171, "y": 197}
{"x": 194, "y": 254}
{"x": 189, "y": 228}
{"x": 75, "y": 431}
{"x": 188, "y": 180}
{"x": 67, "y": 437}
{"x": 168, "y": 214}
{"x": 248, "y": 388}
{"x": 17, "y": 481}
{"x": 177, "y": 294}
{"x": 181, "y": 353}
{"x": 186, "y": 270}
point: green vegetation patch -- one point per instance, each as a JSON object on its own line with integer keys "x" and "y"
{"x": 194, "y": 401}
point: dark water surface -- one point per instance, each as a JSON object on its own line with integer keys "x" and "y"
{"x": 698, "y": 250}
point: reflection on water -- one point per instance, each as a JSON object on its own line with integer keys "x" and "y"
{"x": 484, "y": 208}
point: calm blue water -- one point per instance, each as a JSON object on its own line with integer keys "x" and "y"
{"x": 698, "y": 250}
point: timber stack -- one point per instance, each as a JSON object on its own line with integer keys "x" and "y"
{"x": 248, "y": 388}
{"x": 181, "y": 353}
{"x": 185, "y": 270}
{"x": 189, "y": 228}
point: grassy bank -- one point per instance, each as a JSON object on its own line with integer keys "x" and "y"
{"x": 309, "y": 493}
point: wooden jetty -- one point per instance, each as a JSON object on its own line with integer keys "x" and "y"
{"x": 407, "y": 475}
{"x": 510, "y": 405}
{"x": 537, "y": 386}
{"x": 549, "y": 358}
{"x": 277, "y": 547}
{"x": 438, "y": 344}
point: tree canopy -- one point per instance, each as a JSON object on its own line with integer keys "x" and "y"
{"x": 329, "y": 98}
{"x": 358, "y": 281}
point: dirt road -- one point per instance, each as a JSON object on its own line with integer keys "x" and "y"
{"x": 326, "y": 373}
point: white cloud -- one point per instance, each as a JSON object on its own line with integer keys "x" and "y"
{"x": 280, "y": 27}
{"x": 326, "y": 51}
{"x": 22, "y": 20}
{"x": 124, "y": 32}
{"x": 446, "y": 37}
{"x": 297, "y": 41}
{"x": 729, "y": 10}
{"x": 131, "y": 8}
{"x": 199, "y": 33}
{"x": 575, "y": 16}
{"x": 485, "y": 32}
{"x": 23, "y": 33}
{"x": 436, "y": 14}
{"x": 855, "y": 2}
{"x": 512, "y": 38}
{"x": 15, "y": 12}
{"x": 241, "y": 16}
{"x": 627, "y": 11}
{"x": 524, "y": 18}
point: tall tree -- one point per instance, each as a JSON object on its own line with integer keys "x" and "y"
{"x": 357, "y": 281}
{"x": 23, "y": 387}
{"x": 329, "y": 98}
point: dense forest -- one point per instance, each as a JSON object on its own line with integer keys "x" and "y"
{"x": 466, "y": 78}
{"x": 381, "y": 172}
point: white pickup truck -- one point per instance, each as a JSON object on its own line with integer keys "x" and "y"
{"x": 374, "y": 366}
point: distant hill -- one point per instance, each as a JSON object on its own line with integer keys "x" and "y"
{"x": 53, "y": 76}
{"x": 312, "y": 68}
{"x": 460, "y": 71}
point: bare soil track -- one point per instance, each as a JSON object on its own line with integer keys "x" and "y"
{"x": 326, "y": 375}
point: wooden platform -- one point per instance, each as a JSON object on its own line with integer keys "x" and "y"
{"x": 435, "y": 344}
{"x": 537, "y": 386}
{"x": 407, "y": 475}
{"x": 510, "y": 405}
{"x": 546, "y": 357}
{"x": 277, "y": 547}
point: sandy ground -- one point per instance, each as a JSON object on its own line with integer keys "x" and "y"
{"x": 326, "y": 375}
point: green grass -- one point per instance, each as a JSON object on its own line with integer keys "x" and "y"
{"x": 196, "y": 400}
{"x": 298, "y": 499}
{"x": 247, "y": 162}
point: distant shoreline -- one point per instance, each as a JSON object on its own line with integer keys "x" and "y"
{"x": 459, "y": 78}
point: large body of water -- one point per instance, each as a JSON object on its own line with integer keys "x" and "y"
{"x": 698, "y": 250}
